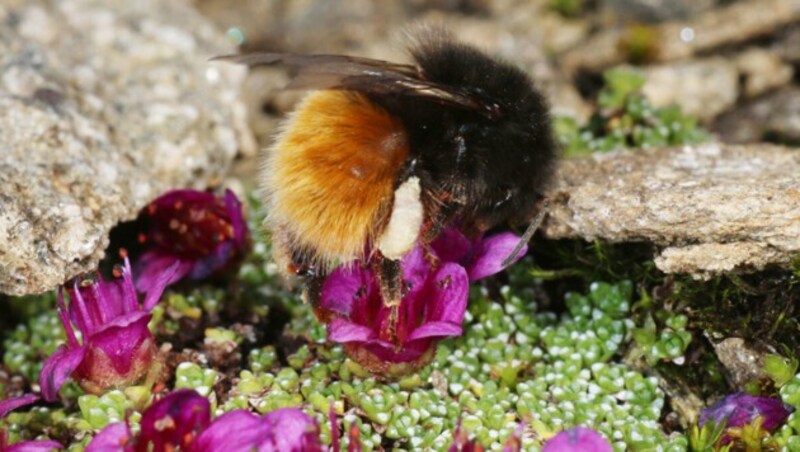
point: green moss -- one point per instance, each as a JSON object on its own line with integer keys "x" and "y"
{"x": 567, "y": 8}
{"x": 627, "y": 119}
{"x": 31, "y": 343}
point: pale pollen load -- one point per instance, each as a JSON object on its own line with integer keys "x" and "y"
{"x": 329, "y": 178}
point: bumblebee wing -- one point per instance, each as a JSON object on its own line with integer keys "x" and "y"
{"x": 298, "y": 62}
{"x": 376, "y": 77}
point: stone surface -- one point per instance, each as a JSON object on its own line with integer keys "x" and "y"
{"x": 703, "y": 88}
{"x": 761, "y": 71}
{"x": 775, "y": 116}
{"x": 655, "y": 10}
{"x": 738, "y": 22}
{"x": 712, "y": 208}
{"x": 743, "y": 364}
{"x": 103, "y": 106}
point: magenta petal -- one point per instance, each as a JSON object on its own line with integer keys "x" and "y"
{"x": 451, "y": 245}
{"x": 213, "y": 262}
{"x": 340, "y": 288}
{"x": 58, "y": 368}
{"x": 449, "y": 303}
{"x": 9, "y": 405}
{"x": 121, "y": 338}
{"x": 436, "y": 329}
{"x": 489, "y": 254}
{"x": 249, "y": 430}
{"x": 293, "y": 431}
{"x": 34, "y": 446}
{"x": 175, "y": 419}
{"x": 416, "y": 270}
{"x": 579, "y": 439}
{"x": 343, "y": 331}
{"x": 173, "y": 273}
{"x": 740, "y": 409}
{"x": 154, "y": 269}
{"x": 106, "y": 297}
{"x": 234, "y": 208}
{"x": 113, "y": 438}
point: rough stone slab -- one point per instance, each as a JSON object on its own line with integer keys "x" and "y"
{"x": 775, "y": 116}
{"x": 713, "y": 208}
{"x": 739, "y": 22}
{"x": 103, "y": 105}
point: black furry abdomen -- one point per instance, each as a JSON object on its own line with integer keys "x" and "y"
{"x": 483, "y": 169}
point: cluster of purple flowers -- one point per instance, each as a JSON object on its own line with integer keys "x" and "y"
{"x": 182, "y": 420}
{"x": 193, "y": 234}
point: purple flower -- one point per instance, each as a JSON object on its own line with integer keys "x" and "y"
{"x": 436, "y": 286}
{"x": 8, "y": 405}
{"x": 578, "y": 439}
{"x": 201, "y": 232}
{"x": 117, "y": 348}
{"x": 45, "y": 445}
{"x": 182, "y": 420}
{"x": 739, "y": 409}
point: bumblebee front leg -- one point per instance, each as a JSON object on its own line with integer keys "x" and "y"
{"x": 390, "y": 280}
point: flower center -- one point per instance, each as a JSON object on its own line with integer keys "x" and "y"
{"x": 190, "y": 230}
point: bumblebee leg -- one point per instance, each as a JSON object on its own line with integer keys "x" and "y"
{"x": 526, "y": 237}
{"x": 390, "y": 281}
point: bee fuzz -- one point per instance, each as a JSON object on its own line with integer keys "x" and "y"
{"x": 401, "y": 233}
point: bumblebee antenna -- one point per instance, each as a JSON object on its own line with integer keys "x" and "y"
{"x": 526, "y": 237}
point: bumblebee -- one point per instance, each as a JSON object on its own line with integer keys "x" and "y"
{"x": 380, "y": 156}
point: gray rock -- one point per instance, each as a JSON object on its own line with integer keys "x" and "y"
{"x": 713, "y": 208}
{"x": 703, "y": 88}
{"x": 103, "y": 106}
{"x": 775, "y": 116}
{"x": 762, "y": 71}
{"x": 655, "y": 10}
{"x": 743, "y": 363}
{"x": 725, "y": 26}
{"x": 706, "y": 87}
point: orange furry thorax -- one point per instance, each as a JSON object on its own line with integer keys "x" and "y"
{"x": 330, "y": 176}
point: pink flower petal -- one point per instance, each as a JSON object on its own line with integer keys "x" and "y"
{"x": 168, "y": 276}
{"x": 174, "y": 420}
{"x": 416, "y": 270}
{"x": 451, "y": 245}
{"x": 249, "y": 430}
{"x": 340, "y": 288}
{"x": 234, "y": 208}
{"x": 739, "y": 409}
{"x": 579, "y": 439}
{"x": 344, "y": 331}
{"x": 9, "y": 405}
{"x": 292, "y": 431}
{"x": 154, "y": 269}
{"x": 489, "y": 253}
{"x": 58, "y": 368}
{"x": 436, "y": 329}
{"x": 120, "y": 339}
{"x": 449, "y": 302}
{"x": 114, "y": 437}
{"x": 34, "y": 446}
